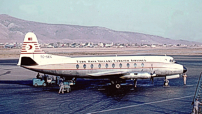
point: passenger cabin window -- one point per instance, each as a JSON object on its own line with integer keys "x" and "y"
{"x": 142, "y": 64}
{"x": 113, "y": 65}
{"x": 135, "y": 65}
{"x": 91, "y": 66}
{"x": 106, "y": 65}
{"x": 84, "y": 66}
{"x": 99, "y": 65}
{"x": 77, "y": 66}
{"x": 128, "y": 65}
{"x": 120, "y": 65}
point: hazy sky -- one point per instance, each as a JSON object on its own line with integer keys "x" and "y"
{"x": 176, "y": 19}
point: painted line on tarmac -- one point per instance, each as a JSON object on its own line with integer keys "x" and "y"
{"x": 140, "y": 104}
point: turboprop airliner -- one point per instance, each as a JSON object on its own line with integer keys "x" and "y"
{"x": 115, "y": 68}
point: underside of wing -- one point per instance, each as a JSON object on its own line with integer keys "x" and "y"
{"x": 108, "y": 73}
{"x": 123, "y": 74}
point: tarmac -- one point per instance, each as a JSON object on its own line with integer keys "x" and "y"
{"x": 17, "y": 95}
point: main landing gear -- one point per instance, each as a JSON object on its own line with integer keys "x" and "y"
{"x": 116, "y": 83}
{"x": 135, "y": 83}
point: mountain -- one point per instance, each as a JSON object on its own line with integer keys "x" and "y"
{"x": 13, "y": 30}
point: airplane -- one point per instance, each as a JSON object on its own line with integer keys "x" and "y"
{"x": 117, "y": 69}
{"x": 9, "y": 46}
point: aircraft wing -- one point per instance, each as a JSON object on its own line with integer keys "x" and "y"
{"x": 124, "y": 74}
{"x": 108, "y": 73}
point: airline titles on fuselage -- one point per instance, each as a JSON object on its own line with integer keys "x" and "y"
{"x": 110, "y": 61}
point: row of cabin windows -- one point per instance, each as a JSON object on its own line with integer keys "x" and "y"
{"x": 107, "y": 65}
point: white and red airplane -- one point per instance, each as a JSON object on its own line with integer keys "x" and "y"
{"x": 115, "y": 68}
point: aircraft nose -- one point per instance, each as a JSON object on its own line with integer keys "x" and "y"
{"x": 184, "y": 69}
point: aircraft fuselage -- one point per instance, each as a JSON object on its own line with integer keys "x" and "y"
{"x": 90, "y": 67}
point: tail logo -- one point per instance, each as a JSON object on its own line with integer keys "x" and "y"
{"x": 30, "y": 48}
{"x": 31, "y": 45}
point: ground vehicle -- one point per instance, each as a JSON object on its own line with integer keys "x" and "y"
{"x": 67, "y": 85}
{"x": 43, "y": 80}
{"x": 38, "y": 82}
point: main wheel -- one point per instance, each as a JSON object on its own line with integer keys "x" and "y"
{"x": 118, "y": 86}
{"x": 35, "y": 84}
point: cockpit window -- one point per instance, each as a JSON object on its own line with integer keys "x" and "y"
{"x": 171, "y": 60}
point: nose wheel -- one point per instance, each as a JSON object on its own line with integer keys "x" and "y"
{"x": 166, "y": 82}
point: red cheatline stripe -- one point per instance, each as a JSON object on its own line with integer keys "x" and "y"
{"x": 23, "y": 51}
{"x": 97, "y": 68}
{"x": 30, "y": 42}
{"x": 24, "y": 44}
{"x": 32, "y": 53}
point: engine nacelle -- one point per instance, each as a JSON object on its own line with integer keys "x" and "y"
{"x": 140, "y": 75}
{"x": 173, "y": 76}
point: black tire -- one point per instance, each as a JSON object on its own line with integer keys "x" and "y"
{"x": 44, "y": 84}
{"x": 117, "y": 86}
{"x": 35, "y": 84}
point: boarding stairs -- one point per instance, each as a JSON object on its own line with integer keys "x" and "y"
{"x": 198, "y": 93}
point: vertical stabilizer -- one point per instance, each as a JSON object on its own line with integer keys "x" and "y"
{"x": 30, "y": 47}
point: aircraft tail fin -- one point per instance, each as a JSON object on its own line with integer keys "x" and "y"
{"x": 30, "y": 47}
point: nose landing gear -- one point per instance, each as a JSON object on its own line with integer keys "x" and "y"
{"x": 185, "y": 78}
{"x": 166, "y": 82}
